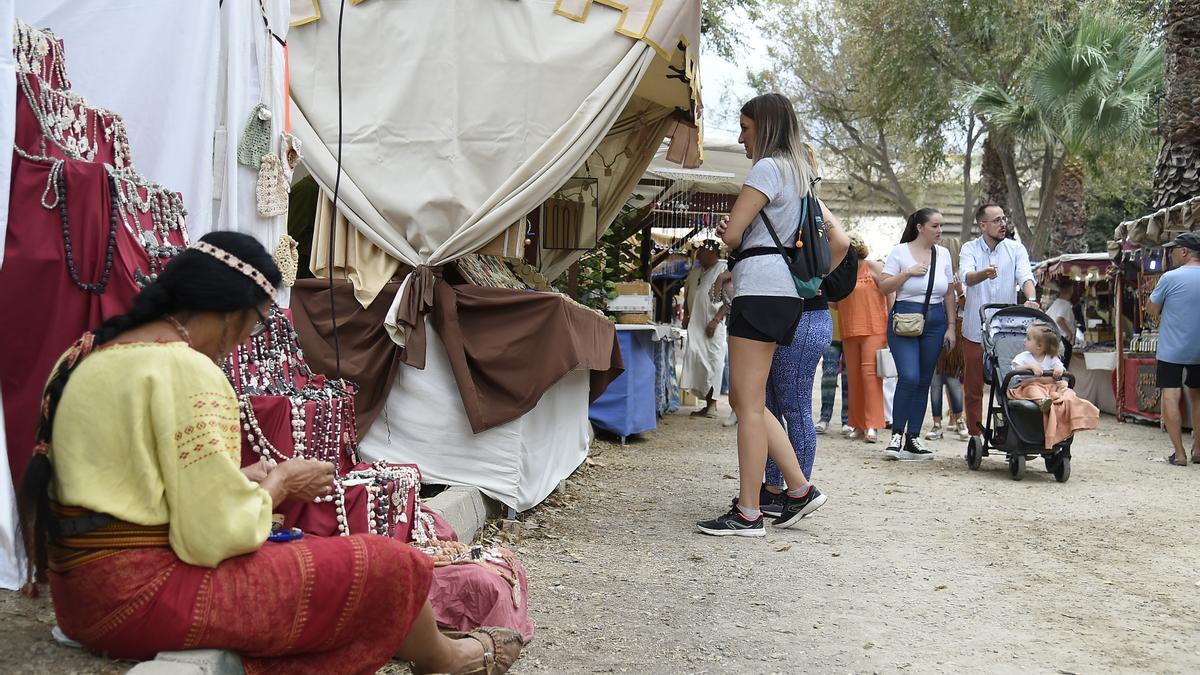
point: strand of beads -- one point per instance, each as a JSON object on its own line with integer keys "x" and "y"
{"x": 298, "y": 426}
{"x": 254, "y": 434}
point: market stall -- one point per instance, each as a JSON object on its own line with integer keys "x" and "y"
{"x": 437, "y": 192}
{"x": 1094, "y": 360}
{"x": 628, "y": 405}
{"x": 1139, "y": 261}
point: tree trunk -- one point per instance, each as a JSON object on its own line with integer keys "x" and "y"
{"x": 993, "y": 185}
{"x": 1015, "y": 202}
{"x": 968, "y": 209}
{"x": 1177, "y": 172}
{"x": 1069, "y": 221}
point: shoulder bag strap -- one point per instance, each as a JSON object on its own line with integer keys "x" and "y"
{"x": 932, "y": 276}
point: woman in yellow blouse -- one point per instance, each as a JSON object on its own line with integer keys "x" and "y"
{"x": 155, "y": 540}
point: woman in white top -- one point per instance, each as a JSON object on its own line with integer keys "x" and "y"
{"x": 766, "y": 307}
{"x": 908, "y": 273}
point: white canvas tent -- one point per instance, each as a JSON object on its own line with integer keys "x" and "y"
{"x": 458, "y": 119}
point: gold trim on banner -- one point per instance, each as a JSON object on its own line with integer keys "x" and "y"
{"x": 690, "y": 63}
{"x": 316, "y": 16}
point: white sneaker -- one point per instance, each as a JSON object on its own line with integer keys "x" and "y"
{"x": 846, "y": 429}
{"x": 821, "y": 426}
{"x": 895, "y": 447}
{"x": 730, "y": 421}
{"x": 854, "y": 434}
{"x": 961, "y": 429}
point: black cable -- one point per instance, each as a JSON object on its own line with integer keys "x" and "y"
{"x": 337, "y": 182}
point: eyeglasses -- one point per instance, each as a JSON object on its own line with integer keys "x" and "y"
{"x": 999, "y": 220}
{"x": 260, "y": 326}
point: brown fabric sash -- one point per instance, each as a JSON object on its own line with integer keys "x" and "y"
{"x": 69, "y": 552}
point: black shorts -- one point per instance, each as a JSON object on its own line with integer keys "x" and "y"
{"x": 1170, "y": 375}
{"x": 765, "y": 318}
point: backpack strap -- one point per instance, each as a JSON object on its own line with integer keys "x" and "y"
{"x": 932, "y": 273}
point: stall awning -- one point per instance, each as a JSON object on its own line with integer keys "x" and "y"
{"x": 1079, "y": 266}
{"x": 1159, "y": 227}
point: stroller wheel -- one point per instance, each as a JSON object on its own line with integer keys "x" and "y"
{"x": 1016, "y": 466}
{"x": 1062, "y": 471}
{"x": 974, "y": 453}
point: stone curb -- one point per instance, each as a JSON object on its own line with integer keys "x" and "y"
{"x": 465, "y": 508}
{"x": 192, "y": 662}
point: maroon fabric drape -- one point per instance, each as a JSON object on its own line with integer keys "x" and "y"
{"x": 44, "y": 311}
{"x": 507, "y": 348}
{"x": 370, "y": 359}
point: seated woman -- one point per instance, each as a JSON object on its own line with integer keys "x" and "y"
{"x": 155, "y": 540}
{"x": 1063, "y": 413}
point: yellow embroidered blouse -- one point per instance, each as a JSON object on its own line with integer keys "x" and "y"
{"x": 148, "y": 433}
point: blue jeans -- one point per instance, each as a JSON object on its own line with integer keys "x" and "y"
{"x": 915, "y": 357}
{"x": 833, "y": 362}
{"x": 790, "y": 386}
{"x": 953, "y": 387}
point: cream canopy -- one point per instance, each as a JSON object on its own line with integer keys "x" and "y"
{"x": 459, "y": 117}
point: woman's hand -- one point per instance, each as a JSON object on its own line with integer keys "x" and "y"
{"x": 917, "y": 270}
{"x": 258, "y": 471}
{"x": 711, "y": 329}
{"x": 950, "y": 338}
{"x": 300, "y": 479}
{"x": 722, "y": 226}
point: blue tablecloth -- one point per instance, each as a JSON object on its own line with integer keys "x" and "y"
{"x": 628, "y": 405}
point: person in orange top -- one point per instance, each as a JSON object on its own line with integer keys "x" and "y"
{"x": 862, "y": 318}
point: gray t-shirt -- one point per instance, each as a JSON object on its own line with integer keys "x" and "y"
{"x": 768, "y": 274}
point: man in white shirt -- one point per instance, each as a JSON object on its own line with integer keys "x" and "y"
{"x": 1062, "y": 310}
{"x": 991, "y": 267}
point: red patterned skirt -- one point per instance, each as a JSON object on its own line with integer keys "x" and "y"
{"x": 316, "y": 605}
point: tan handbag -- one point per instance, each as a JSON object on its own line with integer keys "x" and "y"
{"x": 911, "y": 324}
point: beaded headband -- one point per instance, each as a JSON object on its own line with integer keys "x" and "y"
{"x": 238, "y": 264}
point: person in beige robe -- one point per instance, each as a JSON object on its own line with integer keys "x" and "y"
{"x": 704, "y": 320}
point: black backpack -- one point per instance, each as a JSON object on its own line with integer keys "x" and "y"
{"x": 809, "y": 259}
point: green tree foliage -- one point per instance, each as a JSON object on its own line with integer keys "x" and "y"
{"x": 717, "y": 28}
{"x": 1086, "y": 87}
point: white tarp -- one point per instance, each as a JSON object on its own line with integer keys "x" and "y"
{"x": 518, "y": 463}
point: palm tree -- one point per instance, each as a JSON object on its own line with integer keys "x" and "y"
{"x": 1177, "y": 174}
{"x": 1084, "y": 87}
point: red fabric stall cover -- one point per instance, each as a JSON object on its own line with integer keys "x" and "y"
{"x": 466, "y": 596}
{"x": 44, "y": 310}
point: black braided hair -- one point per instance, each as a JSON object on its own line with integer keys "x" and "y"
{"x": 192, "y": 282}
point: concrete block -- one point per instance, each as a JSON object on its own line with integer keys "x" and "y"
{"x": 465, "y": 508}
{"x": 192, "y": 662}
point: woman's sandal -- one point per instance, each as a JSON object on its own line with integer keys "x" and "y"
{"x": 1171, "y": 460}
{"x": 501, "y": 648}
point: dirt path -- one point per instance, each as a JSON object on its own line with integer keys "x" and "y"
{"x": 910, "y": 567}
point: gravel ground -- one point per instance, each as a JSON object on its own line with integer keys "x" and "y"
{"x": 910, "y": 567}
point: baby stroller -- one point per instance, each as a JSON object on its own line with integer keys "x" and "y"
{"x": 1015, "y": 427}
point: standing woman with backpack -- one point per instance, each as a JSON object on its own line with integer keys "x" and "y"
{"x": 921, "y": 324}
{"x": 766, "y": 307}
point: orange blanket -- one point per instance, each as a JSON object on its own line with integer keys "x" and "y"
{"x": 1068, "y": 413}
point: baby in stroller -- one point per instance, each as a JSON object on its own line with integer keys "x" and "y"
{"x": 1032, "y": 409}
{"x": 1065, "y": 413}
